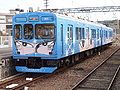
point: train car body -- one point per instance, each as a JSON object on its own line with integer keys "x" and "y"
{"x": 42, "y": 40}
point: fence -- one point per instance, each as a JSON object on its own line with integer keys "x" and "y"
{"x": 5, "y": 41}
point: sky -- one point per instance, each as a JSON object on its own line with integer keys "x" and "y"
{"x": 6, "y": 5}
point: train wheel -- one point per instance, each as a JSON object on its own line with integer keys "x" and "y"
{"x": 73, "y": 59}
{"x": 91, "y": 52}
{"x": 67, "y": 62}
{"x": 59, "y": 64}
{"x": 62, "y": 63}
{"x": 81, "y": 55}
{"x": 77, "y": 57}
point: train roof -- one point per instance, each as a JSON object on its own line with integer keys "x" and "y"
{"x": 64, "y": 17}
{"x": 81, "y": 20}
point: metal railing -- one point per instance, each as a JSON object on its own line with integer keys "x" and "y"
{"x": 5, "y": 41}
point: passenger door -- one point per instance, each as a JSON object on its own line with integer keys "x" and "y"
{"x": 62, "y": 40}
{"x": 69, "y": 40}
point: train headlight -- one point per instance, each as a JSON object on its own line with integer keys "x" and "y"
{"x": 24, "y": 44}
{"x": 44, "y": 44}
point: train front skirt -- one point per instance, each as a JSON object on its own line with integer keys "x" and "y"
{"x": 40, "y": 70}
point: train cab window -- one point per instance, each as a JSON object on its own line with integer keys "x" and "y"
{"x": 18, "y": 29}
{"x": 44, "y": 31}
{"x": 28, "y": 31}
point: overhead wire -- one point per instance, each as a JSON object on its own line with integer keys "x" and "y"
{"x": 114, "y": 13}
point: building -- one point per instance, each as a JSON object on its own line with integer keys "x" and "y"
{"x": 115, "y": 24}
{"x": 6, "y": 24}
{"x": 6, "y": 29}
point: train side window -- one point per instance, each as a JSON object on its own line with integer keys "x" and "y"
{"x": 18, "y": 29}
{"x": 101, "y": 33}
{"x": 87, "y": 33}
{"x": 93, "y": 33}
{"x": 28, "y": 31}
{"x": 98, "y": 34}
{"x": 110, "y": 33}
{"x": 106, "y": 34}
{"x": 70, "y": 32}
{"x": 82, "y": 33}
{"x": 77, "y": 33}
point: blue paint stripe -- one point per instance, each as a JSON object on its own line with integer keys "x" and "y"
{"x": 41, "y": 70}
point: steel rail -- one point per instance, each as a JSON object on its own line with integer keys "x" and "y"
{"x": 76, "y": 85}
{"x": 114, "y": 77}
{"x": 5, "y": 82}
{"x": 19, "y": 87}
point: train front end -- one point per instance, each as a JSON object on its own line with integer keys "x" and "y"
{"x": 34, "y": 42}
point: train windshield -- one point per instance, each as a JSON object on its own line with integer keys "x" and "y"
{"x": 28, "y": 31}
{"x": 18, "y": 29}
{"x": 44, "y": 31}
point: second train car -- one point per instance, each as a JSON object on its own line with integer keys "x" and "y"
{"x": 44, "y": 41}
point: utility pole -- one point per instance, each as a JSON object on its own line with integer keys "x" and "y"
{"x": 46, "y": 4}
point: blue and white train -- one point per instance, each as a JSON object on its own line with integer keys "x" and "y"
{"x": 44, "y": 41}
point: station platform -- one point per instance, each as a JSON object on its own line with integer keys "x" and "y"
{"x": 5, "y": 51}
{"x": 6, "y": 63}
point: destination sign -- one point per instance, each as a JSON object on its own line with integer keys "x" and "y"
{"x": 20, "y": 19}
{"x": 47, "y": 19}
{"x": 33, "y": 18}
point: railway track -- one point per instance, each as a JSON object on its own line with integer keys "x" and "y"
{"x": 116, "y": 84}
{"x": 6, "y": 55}
{"x": 5, "y": 52}
{"x": 103, "y": 76}
{"x": 9, "y": 81}
{"x": 19, "y": 82}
